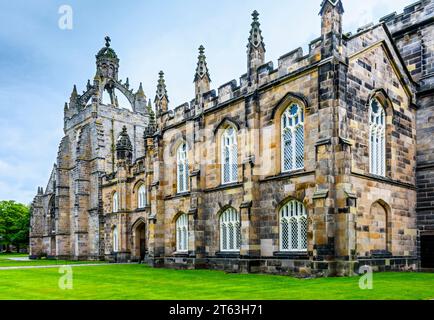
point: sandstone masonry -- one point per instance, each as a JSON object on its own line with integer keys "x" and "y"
{"x": 117, "y": 191}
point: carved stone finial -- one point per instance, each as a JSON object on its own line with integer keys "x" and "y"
{"x": 255, "y": 16}
{"x": 124, "y": 147}
{"x": 201, "y": 50}
{"x": 161, "y": 97}
{"x": 256, "y": 46}
{"x": 161, "y": 87}
{"x": 256, "y": 38}
{"x": 202, "y": 67}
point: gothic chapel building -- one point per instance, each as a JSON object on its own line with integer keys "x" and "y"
{"x": 320, "y": 165}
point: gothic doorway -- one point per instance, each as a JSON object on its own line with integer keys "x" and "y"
{"x": 139, "y": 240}
{"x": 427, "y": 251}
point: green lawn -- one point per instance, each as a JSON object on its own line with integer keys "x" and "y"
{"x": 5, "y": 261}
{"x": 139, "y": 282}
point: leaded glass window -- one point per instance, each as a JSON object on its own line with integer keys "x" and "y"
{"x": 230, "y": 231}
{"x": 377, "y": 139}
{"x": 229, "y": 156}
{"x": 115, "y": 239}
{"x": 292, "y": 138}
{"x": 182, "y": 233}
{"x": 182, "y": 168}
{"x": 293, "y": 227}
{"x": 141, "y": 199}
{"x": 115, "y": 202}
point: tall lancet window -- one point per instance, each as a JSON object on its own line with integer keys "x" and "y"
{"x": 115, "y": 202}
{"x": 115, "y": 239}
{"x": 182, "y": 168}
{"x": 292, "y": 147}
{"x": 141, "y": 197}
{"x": 229, "y": 156}
{"x": 377, "y": 138}
{"x": 182, "y": 233}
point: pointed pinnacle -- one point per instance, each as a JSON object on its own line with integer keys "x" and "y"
{"x": 74, "y": 91}
{"x": 161, "y": 87}
{"x": 140, "y": 92}
{"x": 202, "y": 68}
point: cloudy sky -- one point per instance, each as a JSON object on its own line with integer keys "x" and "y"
{"x": 39, "y": 62}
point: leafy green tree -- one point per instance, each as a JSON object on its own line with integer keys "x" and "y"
{"x": 14, "y": 224}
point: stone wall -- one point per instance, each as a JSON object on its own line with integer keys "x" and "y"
{"x": 354, "y": 217}
{"x": 412, "y": 31}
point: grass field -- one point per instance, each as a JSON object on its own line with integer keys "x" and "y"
{"x": 5, "y": 261}
{"x": 138, "y": 282}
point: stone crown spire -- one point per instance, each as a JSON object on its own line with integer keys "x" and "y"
{"x": 107, "y": 61}
{"x": 202, "y": 67}
{"x": 107, "y": 51}
{"x": 256, "y": 39}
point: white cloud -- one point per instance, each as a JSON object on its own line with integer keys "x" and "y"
{"x": 149, "y": 36}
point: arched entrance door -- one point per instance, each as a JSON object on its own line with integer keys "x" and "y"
{"x": 139, "y": 240}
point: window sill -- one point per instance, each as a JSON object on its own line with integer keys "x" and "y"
{"x": 225, "y": 187}
{"x": 178, "y": 195}
{"x": 228, "y": 254}
{"x": 181, "y": 254}
{"x": 287, "y": 175}
{"x": 293, "y": 255}
{"x": 388, "y": 180}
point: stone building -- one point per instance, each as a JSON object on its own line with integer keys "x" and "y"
{"x": 320, "y": 165}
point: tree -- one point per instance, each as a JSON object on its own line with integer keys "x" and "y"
{"x": 14, "y": 224}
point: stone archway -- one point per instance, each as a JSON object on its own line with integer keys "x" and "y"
{"x": 139, "y": 240}
{"x": 378, "y": 230}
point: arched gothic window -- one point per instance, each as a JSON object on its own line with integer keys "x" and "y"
{"x": 230, "y": 231}
{"x": 182, "y": 233}
{"x": 229, "y": 156}
{"x": 115, "y": 202}
{"x": 292, "y": 135}
{"x": 182, "y": 170}
{"x": 293, "y": 227}
{"x": 141, "y": 197}
{"x": 115, "y": 239}
{"x": 377, "y": 139}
